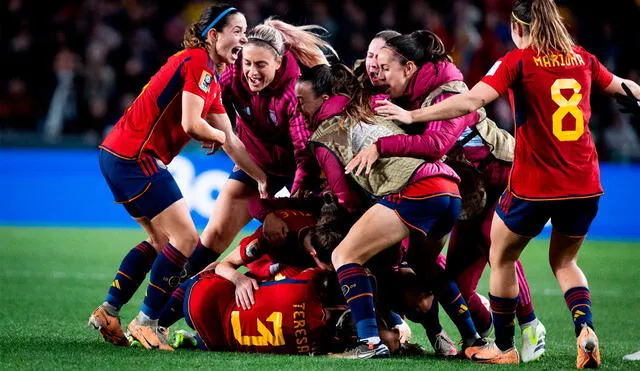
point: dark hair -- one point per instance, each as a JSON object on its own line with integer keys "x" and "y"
{"x": 332, "y": 226}
{"x": 193, "y": 37}
{"x": 338, "y": 79}
{"x": 420, "y": 47}
{"x": 386, "y": 35}
{"x": 541, "y": 19}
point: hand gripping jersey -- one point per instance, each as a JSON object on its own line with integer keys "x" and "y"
{"x": 287, "y": 317}
{"x": 555, "y": 157}
{"x": 153, "y": 123}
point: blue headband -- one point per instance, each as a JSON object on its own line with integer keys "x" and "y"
{"x": 218, "y": 18}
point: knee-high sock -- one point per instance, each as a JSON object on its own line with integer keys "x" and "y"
{"x": 358, "y": 293}
{"x": 133, "y": 269}
{"x": 578, "y": 300}
{"x": 165, "y": 277}
{"x": 504, "y": 318}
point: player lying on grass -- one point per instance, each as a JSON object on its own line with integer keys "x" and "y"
{"x": 232, "y": 311}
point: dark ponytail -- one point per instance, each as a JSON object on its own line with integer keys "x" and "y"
{"x": 338, "y": 79}
{"x": 420, "y": 47}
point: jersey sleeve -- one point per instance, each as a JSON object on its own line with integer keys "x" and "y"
{"x": 504, "y": 72}
{"x": 198, "y": 79}
{"x": 217, "y": 107}
{"x": 250, "y": 247}
{"x": 601, "y": 76}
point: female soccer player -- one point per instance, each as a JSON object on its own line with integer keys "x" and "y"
{"x": 180, "y": 102}
{"x": 367, "y": 70}
{"x": 411, "y": 194}
{"x": 261, "y": 87}
{"x": 555, "y": 173}
{"x": 419, "y": 72}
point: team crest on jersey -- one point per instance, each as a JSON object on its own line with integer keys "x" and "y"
{"x": 205, "y": 81}
{"x": 273, "y": 118}
{"x": 247, "y": 111}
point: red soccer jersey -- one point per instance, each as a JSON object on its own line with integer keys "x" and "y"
{"x": 287, "y": 317}
{"x": 153, "y": 122}
{"x": 555, "y": 157}
{"x": 264, "y": 262}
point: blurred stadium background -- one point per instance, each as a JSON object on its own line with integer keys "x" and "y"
{"x": 71, "y": 67}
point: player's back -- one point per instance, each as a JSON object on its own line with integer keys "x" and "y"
{"x": 555, "y": 156}
{"x": 286, "y": 317}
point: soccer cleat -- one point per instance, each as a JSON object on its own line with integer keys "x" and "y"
{"x": 491, "y": 354}
{"x": 444, "y": 346}
{"x": 150, "y": 337}
{"x": 109, "y": 326}
{"x": 365, "y": 351}
{"x": 184, "y": 340}
{"x": 588, "y": 349}
{"x": 533, "y": 341}
{"x": 632, "y": 357}
{"x": 465, "y": 352}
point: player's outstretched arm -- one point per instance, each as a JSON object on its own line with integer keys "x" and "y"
{"x": 237, "y": 151}
{"x": 245, "y": 286}
{"x": 458, "y": 105}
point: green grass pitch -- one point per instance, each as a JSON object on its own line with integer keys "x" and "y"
{"x": 51, "y": 280}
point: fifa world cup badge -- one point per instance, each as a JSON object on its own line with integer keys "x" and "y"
{"x": 205, "y": 81}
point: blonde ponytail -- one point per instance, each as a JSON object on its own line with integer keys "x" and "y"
{"x": 542, "y": 20}
{"x": 548, "y": 33}
{"x": 300, "y": 40}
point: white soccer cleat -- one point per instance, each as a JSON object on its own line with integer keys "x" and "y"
{"x": 632, "y": 357}
{"x": 533, "y": 341}
{"x": 444, "y": 346}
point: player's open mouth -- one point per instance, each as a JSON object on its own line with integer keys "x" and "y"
{"x": 235, "y": 51}
{"x": 254, "y": 81}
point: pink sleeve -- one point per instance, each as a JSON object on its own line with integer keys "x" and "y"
{"x": 258, "y": 209}
{"x": 504, "y": 72}
{"x": 337, "y": 179}
{"x": 433, "y": 143}
{"x": 299, "y": 136}
{"x": 226, "y": 77}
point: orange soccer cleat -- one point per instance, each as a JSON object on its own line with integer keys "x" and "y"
{"x": 491, "y": 354}
{"x": 588, "y": 349}
{"x": 149, "y": 336}
{"x": 109, "y": 326}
